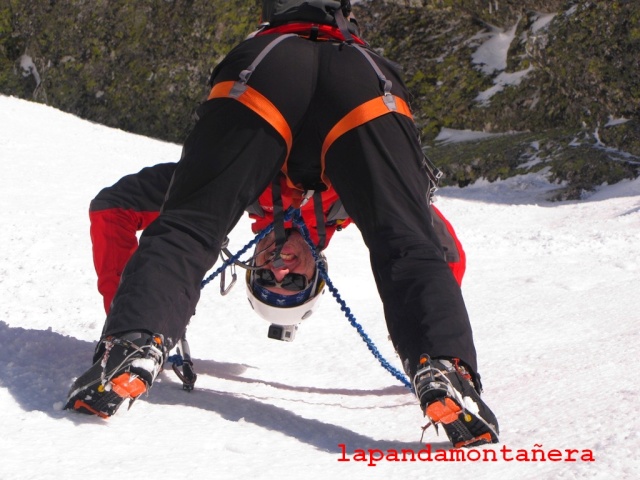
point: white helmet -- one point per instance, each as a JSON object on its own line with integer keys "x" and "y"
{"x": 285, "y": 309}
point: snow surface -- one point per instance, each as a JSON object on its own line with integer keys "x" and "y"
{"x": 542, "y": 21}
{"x": 451, "y": 135}
{"x": 552, "y": 290}
{"x": 501, "y": 81}
{"x": 491, "y": 55}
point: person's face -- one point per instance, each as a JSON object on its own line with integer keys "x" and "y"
{"x": 296, "y": 255}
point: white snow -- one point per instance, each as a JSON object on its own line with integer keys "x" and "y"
{"x": 616, "y": 121}
{"x": 542, "y": 21}
{"x": 501, "y": 81}
{"x": 491, "y": 55}
{"x": 552, "y": 291}
{"x": 571, "y": 10}
{"x": 451, "y": 135}
{"x": 146, "y": 364}
{"x": 29, "y": 68}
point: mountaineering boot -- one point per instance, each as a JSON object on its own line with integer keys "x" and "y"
{"x": 448, "y": 398}
{"x": 125, "y": 368}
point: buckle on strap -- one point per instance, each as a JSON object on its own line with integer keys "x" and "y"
{"x": 390, "y": 101}
{"x": 238, "y": 89}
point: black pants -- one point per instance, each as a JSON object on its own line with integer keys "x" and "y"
{"x": 232, "y": 155}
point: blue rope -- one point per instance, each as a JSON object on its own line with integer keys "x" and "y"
{"x": 234, "y": 258}
{"x": 230, "y": 261}
{"x": 296, "y": 217}
{"x": 299, "y": 222}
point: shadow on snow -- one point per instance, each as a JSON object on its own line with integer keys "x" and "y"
{"x": 38, "y": 366}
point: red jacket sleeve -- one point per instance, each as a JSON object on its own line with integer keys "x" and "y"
{"x": 113, "y": 237}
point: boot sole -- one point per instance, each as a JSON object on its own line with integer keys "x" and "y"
{"x": 463, "y": 428}
{"x": 104, "y": 402}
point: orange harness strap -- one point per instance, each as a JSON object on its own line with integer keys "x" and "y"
{"x": 262, "y": 106}
{"x": 256, "y": 102}
{"x": 360, "y": 115}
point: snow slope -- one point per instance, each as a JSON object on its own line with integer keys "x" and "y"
{"x": 552, "y": 290}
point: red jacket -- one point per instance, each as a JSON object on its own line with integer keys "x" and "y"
{"x": 334, "y": 218}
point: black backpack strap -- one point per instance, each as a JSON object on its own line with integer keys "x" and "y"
{"x": 343, "y": 25}
{"x": 320, "y": 222}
